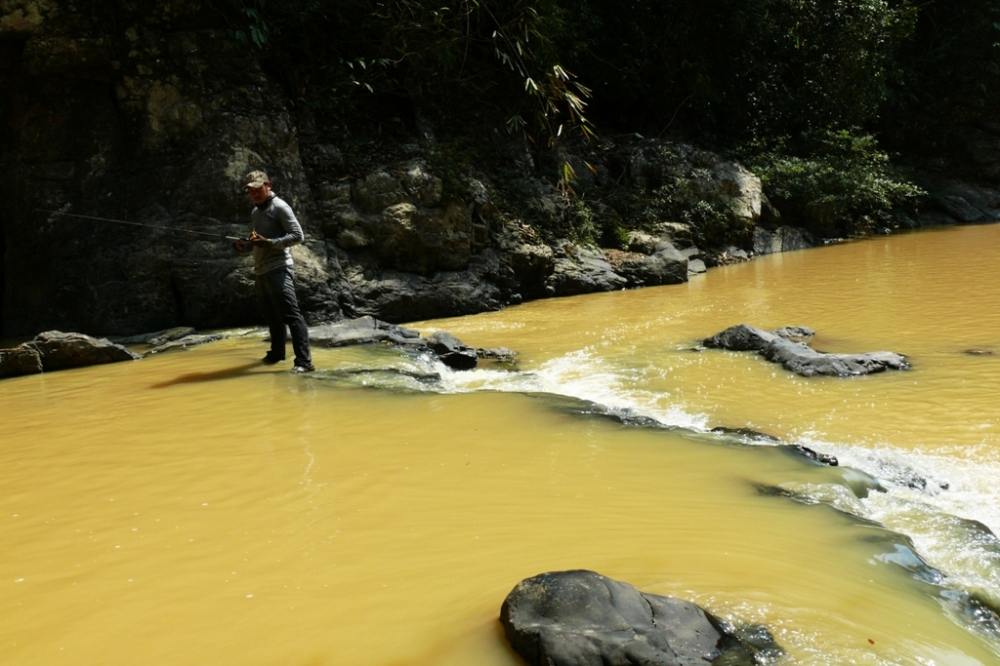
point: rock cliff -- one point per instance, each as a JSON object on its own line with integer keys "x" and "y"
{"x": 152, "y": 113}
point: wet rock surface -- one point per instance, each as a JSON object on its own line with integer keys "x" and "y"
{"x": 183, "y": 342}
{"x": 581, "y": 618}
{"x": 778, "y": 347}
{"x": 811, "y": 454}
{"x": 367, "y": 330}
{"x": 363, "y": 330}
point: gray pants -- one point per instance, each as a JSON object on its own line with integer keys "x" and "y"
{"x": 280, "y": 307}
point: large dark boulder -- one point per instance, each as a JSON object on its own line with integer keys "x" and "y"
{"x": 800, "y": 358}
{"x": 55, "y": 350}
{"x": 400, "y": 296}
{"x": 665, "y": 265}
{"x": 581, "y": 618}
{"x": 782, "y": 239}
{"x": 581, "y": 270}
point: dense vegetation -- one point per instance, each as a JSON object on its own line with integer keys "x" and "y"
{"x": 814, "y": 94}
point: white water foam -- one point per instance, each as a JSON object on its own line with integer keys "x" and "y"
{"x": 580, "y": 375}
{"x": 942, "y": 499}
{"x": 928, "y": 493}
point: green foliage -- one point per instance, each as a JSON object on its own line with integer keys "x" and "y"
{"x": 491, "y": 59}
{"x": 712, "y": 224}
{"x": 834, "y": 74}
{"x": 250, "y": 27}
{"x": 583, "y": 228}
{"x": 843, "y": 186}
{"x": 740, "y": 68}
{"x": 614, "y": 235}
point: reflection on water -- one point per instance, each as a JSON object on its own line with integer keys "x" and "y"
{"x": 378, "y": 511}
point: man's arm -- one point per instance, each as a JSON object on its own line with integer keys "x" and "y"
{"x": 293, "y": 230}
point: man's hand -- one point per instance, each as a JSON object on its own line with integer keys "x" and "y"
{"x": 260, "y": 241}
{"x": 242, "y": 245}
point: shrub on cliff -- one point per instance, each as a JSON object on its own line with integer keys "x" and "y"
{"x": 840, "y": 185}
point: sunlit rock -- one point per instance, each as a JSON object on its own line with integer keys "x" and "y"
{"x": 452, "y": 351}
{"x": 782, "y": 239}
{"x": 581, "y": 618}
{"x": 663, "y": 266}
{"x": 801, "y": 359}
{"x": 56, "y": 350}
{"x": 580, "y": 270}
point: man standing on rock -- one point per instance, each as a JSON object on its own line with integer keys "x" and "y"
{"x": 274, "y": 229}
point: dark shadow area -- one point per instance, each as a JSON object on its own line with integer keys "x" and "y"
{"x": 215, "y": 375}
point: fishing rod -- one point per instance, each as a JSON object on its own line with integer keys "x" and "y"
{"x": 140, "y": 224}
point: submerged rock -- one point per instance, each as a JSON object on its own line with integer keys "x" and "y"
{"x": 798, "y": 357}
{"x": 979, "y": 352}
{"x": 155, "y": 338}
{"x": 746, "y": 433}
{"x": 182, "y": 342}
{"x": 815, "y": 456}
{"x": 581, "y": 618}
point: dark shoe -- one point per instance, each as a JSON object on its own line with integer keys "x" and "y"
{"x": 270, "y": 360}
{"x": 303, "y": 368}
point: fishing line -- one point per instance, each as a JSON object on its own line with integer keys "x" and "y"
{"x": 139, "y": 224}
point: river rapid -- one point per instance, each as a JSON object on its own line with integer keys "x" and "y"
{"x": 196, "y": 507}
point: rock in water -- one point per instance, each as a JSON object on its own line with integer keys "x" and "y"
{"x": 781, "y": 346}
{"x": 581, "y": 618}
{"x": 60, "y": 350}
{"x": 452, "y": 351}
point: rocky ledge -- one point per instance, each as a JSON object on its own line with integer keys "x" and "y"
{"x": 55, "y": 350}
{"x": 786, "y": 347}
{"x": 367, "y": 330}
{"x": 581, "y": 618}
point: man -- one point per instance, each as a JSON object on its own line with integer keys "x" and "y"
{"x": 274, "y": 229}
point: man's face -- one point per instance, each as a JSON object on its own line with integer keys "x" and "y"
{"x": 260, "y": 194}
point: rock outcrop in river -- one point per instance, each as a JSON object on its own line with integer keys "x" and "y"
{"x": 55, "y": 350}
{"x": 783, "y": 347}
{"x": 581, "y": 618}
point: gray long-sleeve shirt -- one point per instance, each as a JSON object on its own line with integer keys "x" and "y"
{"x": 275, "y": 220}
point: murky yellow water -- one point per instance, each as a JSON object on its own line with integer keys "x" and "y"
{"x": 197, "y": 508}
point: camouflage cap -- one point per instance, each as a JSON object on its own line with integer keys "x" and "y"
{"x": 255, "y": 179}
